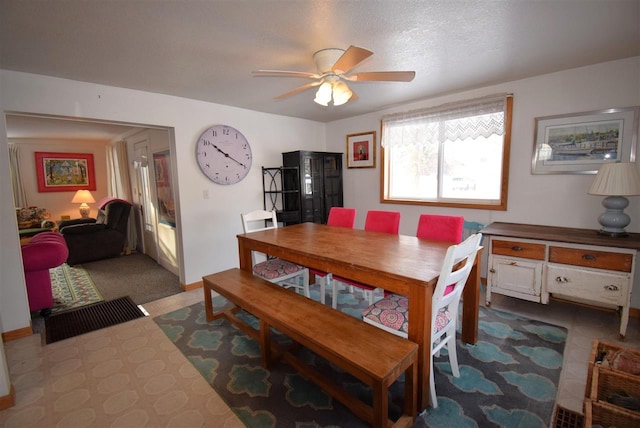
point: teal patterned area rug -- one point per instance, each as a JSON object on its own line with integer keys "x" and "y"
{"x": 72, "y": 288}
{"x": 508, "y": 379}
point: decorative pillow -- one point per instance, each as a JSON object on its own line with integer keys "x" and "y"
{"x": 393, "y": 312}
{"x": 275, "y": 268}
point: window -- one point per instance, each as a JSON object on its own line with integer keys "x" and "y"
{"x": 452, "y": 155}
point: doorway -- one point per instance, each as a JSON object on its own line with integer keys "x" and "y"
{"x": 30, "y": 129}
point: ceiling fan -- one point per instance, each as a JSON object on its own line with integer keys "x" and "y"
{"x": 333, "y": 67}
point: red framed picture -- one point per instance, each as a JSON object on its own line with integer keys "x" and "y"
{"x": 65, "y": 172}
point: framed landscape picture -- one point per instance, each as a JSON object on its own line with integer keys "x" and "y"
{"x": 361, "y": 150}
{"x": 579, "y": 143}
{"x": 65, "y": 172}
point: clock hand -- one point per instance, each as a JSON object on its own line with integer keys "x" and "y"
{"x": 227, "y": 155}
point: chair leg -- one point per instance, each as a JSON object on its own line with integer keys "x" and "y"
{"x": 433, "y": 400}
{"x": 322, "y": 280}
{"x": 305, "y": 283}
{"x": 334, "y": 290}
{"x": 453, "y": 353}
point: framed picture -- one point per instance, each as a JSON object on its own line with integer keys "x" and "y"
{"x": 65, "y": 172}
{"x": 166, "y": 205}
{"x": 361, "y": 150}
{"x": 579, "y": 143}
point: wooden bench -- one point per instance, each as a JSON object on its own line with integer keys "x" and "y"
{"x": 375, "y": 357}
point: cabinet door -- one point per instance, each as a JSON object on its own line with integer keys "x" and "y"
{"x": 312, "y": 188}
{"x": 332, "y": 178}
{"x": 514, "y": 277}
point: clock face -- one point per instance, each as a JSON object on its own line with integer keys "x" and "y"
{"x": 224, "y": 154}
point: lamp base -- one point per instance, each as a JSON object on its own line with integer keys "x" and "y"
{"x": 612, "y": 234}
{"x": 84, "y": 210}
{"x": 614, "y": 220}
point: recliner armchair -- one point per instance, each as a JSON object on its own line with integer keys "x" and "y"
{"x": 96, "y": 239}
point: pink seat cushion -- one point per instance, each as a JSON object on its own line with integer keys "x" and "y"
{"x": 393, "y": 312}
{"x": 276, "y": 268}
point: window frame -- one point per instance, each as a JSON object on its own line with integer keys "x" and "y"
{"x": 504, "y": 185}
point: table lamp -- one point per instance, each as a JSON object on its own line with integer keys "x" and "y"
{"x": 83, "y": 197}
{"x": 615, "y": 181}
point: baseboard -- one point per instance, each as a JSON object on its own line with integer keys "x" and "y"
{"x": 8, "y": 400}
{"x": 17, "y": 334}
{"x": 192, "y": 286}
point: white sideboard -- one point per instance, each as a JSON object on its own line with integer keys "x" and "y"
{"x": 537, "y": 263}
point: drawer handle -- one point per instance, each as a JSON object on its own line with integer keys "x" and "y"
{"x": 611, "y": 287}
{"x": 516, "y": 248}
{"x": 561, "y": 279}
{"x": 588, "y": 257}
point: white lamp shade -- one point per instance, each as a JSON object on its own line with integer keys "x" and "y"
{"x": 341, "y": 93}
{"x": 323, "y": 96}
{"x": 616, "y": 179}
{"x": 83, "y": 197}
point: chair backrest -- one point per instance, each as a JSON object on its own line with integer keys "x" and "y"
{"x": 454, "y": 274}
{"x": 342, "y": 217}
{"x": 383, "y": 221}
{"x": 443, "y": 228}
{"x": 250, "y": 221}
{"x": 471, "y": 227}
{"x": 117, "y": 215}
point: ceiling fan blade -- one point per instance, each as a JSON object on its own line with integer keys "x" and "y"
{"x": 282, "y": 73}
{"x": 350, "y": 58}
{"x": 298, "y": 89}
{"x": 382, "y": 76}
{"x": 353, "y": 98}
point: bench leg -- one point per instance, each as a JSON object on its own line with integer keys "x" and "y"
{"x": 265, "y": 343}
{"x": 380, "y": 405}
{"x": 208, "y": 303}
{"x": 411, "y": 390}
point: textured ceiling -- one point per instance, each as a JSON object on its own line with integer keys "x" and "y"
{"x": 206, "y": 50}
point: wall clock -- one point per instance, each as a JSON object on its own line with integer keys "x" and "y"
{"x": 224, "y": 154}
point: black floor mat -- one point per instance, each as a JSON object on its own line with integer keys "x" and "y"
{"x": 90, "y": 318}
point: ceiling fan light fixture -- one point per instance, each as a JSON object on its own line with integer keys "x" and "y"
{"x": 341, "y": 94}
{"x": 323, "y": 95}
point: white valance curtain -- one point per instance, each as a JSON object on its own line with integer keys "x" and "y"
{"x": 19, "y": 195}
{"x": 119, "y": 183}
{"x": 456, "y": 121}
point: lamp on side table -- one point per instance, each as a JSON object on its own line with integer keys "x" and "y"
{"x": 83, "y": 197}
{"x": 615, "y": 181}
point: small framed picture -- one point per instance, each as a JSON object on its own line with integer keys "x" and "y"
{"x": 361, "y": 150}
{"x": 579, "y": 143}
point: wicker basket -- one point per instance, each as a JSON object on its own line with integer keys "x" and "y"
{"x": 607, "y": 382}
{"x": 597, "y": 352}
{"x": 607, "y": 415}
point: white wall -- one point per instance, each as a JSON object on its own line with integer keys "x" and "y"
{"x": 209, "y": 226}
{"x": 557, "y": 200}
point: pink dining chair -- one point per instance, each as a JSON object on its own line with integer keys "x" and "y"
{"x": 392, "y": 312}
{"x": 376, "y": 221}
{"x": 338, "y": 217}
{"x": 443, "y": 228}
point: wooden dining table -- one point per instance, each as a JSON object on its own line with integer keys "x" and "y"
{"x": 400, "y": 264}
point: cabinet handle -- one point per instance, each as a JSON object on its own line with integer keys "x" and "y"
{"x": 516, "y": 248}
{"x": 611, "y": 287}
{"x": 561, "y": 279}
{"x": 492, "y": 270}
{"x": 588, "y": 257}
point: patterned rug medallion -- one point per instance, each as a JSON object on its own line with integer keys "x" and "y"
{"x": 508, "y": 379}
{"x": 72, "y": 288}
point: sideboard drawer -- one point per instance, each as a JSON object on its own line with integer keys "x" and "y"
{"x": 591, "y": 258}
{"x": 525, "y": 250}
{"x": 601, "y": 287}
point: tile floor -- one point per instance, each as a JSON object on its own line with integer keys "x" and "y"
{"x": 132, "y": 375}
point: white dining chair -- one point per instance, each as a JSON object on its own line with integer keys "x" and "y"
{"x": 282, "y": 272}
{"x": 392, "y": 312}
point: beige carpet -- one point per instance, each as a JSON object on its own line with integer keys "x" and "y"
{"x": 136, "y": 275}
